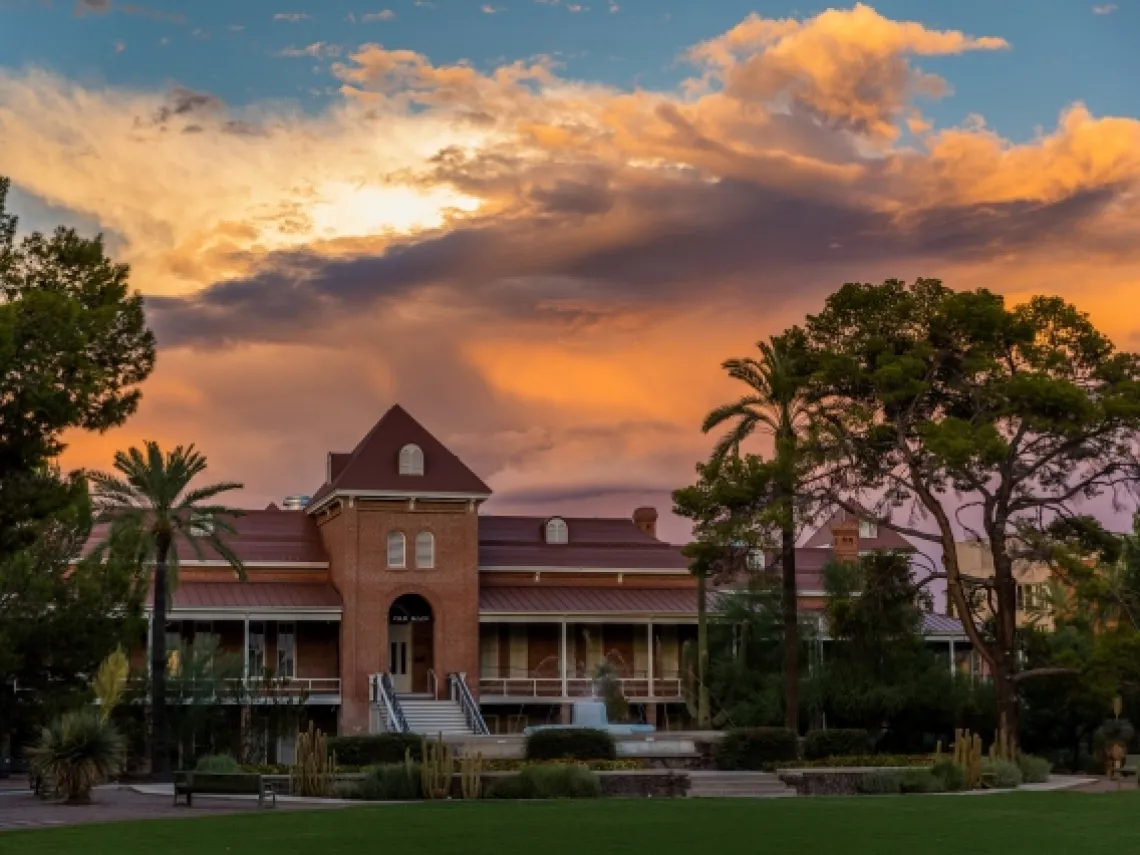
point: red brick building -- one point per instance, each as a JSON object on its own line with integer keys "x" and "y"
{"x": 390, "y": 600}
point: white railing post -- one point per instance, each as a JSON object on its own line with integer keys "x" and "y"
{"x": 649, "y": 627}
{"x": 562, "y": 650}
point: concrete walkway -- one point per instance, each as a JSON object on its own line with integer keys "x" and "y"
{"x": 20, "y": 809}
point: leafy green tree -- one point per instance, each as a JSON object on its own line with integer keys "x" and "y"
{"x": 986, "y": 419}
{"x": 775, "y": 404}
{"x": 878, "y": 671}
{"x": 152, "y": 501}
{"x": 74, "y": 348}
{"x": 729, "y": 506}
{"x": 59, "y": 618}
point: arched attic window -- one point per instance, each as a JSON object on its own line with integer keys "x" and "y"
{"x": 557, "y": 531}
{"x": 411, "y": 460}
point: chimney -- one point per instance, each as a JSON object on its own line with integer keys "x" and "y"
{"x": 845, "y": 539}
{"x": 646, "y": 520}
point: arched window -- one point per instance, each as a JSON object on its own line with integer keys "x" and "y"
{"x": 411, "y": 460}
{"x": 396, "y": 549}
{"x": 425, "y": 550}
{"x": 556, "y": 531}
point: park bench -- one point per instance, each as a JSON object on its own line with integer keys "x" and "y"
{"x": 189, "y": 784}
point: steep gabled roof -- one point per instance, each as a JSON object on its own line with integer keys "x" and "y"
{"x": 374, "y": 464}
{"x": 884, "y": 538}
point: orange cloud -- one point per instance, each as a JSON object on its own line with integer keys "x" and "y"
{"x": 549, "y": 271}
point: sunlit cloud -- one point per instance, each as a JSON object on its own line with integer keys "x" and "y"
{"x": 547, "y": 270}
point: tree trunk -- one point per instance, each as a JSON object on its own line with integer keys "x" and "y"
{"x": 791, "y": 630}
{"x": 1005, "y": 643}
{"x": 160, "y": 727}
{"x": 702, "y": 654}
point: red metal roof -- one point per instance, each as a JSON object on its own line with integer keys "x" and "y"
{"x": 614, "y": 543}
{"x": 263, "y": 536}
{"x": 551, "y": 600}
{"x": 255, "y": 596}
{"x": 374, "y": 463}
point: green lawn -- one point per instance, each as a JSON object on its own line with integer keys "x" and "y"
{"x": 1038, "y": 823}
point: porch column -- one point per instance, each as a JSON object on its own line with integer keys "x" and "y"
{"x": 652, "y": 673}
{"x": 953, "y": 670}
{"x": 149, "y": 642}
{"x": 562, "y": 650}
{"x": 245, "y": 655}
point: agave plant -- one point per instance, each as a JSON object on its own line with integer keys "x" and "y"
{"x": 78, "y": 751}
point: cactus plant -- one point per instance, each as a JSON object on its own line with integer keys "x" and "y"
{"x": 1002, "y": 748}
{"x": 471, "y": 775}
{"x": 313, "y": 767}
{"x": 437, "y": 768}
{"x": 968, "y": 757}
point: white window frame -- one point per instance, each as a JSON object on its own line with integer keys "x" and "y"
{"x": 397, "y": 541}
{"x": 557, "y": 531}
{"x": 255, "y": 652}
{"x": 868, "y": 529}
{"x": 425, "y": 550}
{"x": 411, "y": 460}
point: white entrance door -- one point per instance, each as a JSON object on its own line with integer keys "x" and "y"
{"x": 400, "y": 656}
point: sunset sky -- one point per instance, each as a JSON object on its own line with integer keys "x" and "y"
{"x": 541, "y": 225}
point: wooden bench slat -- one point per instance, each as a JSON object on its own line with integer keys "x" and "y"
{"x": 222, "y": 784}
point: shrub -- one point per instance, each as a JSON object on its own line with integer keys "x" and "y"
{"x": 78, "y": 751}
{"x": 392, "y": 782}
{"x": 884, "y": 783}
{"x": 1034, "y": 770}
{"x": 1000, "y": 774}
{"x": 756, "y": 748}
{"x": 217, "y": 763}
{"x": 951, "y": 775}
{"x": 835, "y": 743}
{"x": 555, "y": 781}
{"x": 376, "y": 749}
{"x": 579, "y": 743}
{"x": 921, "y": 781}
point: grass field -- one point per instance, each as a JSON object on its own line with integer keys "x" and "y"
{"x": 1039, "y": 823}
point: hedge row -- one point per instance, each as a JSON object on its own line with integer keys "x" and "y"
{"x": 579, "y": 743}
{"x": 756, "y": 748}
{"x": 835, "y": 743}
{"x": 376, "y": 749}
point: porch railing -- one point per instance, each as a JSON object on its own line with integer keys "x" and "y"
{"x": 254, "y": 687}
{"x": 461, "y": 693}
{"x": 383, "y": 696}
{"x": 663, "y": 688}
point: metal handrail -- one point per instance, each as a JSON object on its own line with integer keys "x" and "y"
{"x": 461, "y": 693}
{"x": 384, "y": 693}
{"x": 432, "y": 684}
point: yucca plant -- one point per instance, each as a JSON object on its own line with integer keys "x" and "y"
{"x": 78, "y": 751}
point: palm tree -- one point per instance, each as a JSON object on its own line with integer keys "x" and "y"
{"x": 775, "y": 404}
{"x": 151, "y": 502}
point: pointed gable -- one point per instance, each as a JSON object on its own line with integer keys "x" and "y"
{"x": 374, "y": 465}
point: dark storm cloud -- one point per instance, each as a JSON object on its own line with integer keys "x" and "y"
{"x": 690, "y": 238}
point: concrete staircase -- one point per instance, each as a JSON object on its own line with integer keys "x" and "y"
{"x": 431, "y": 717}
{"x": 737, "y": 785}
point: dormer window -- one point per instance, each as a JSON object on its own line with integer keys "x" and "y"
{"x": 411, "y": 460}
{"x": 756, "y": 560}
{"x": 557, "y": 531}
{"x": 868, "y": 530}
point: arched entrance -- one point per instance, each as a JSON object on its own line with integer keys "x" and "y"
{"x": 410, "y": 646}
